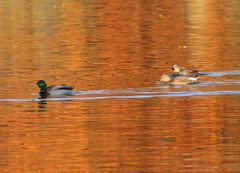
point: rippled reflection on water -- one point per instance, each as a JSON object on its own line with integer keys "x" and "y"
{"x": 120, "y": 118}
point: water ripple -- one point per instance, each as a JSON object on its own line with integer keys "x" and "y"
{"x": 221, "y": 73}
{"x": 142, "y": 95}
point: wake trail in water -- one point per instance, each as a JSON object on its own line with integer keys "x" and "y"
{"x": 142, "y": 95}
{"x": 220, "y": 73}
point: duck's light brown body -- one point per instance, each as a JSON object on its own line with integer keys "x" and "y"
{"x": 184, "y": 71}
{"x": 178, "y": 80}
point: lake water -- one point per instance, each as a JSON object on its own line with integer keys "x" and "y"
{"x": 120, "y": 119}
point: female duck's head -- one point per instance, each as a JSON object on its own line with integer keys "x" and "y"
{"x": 42, "y": 84}
{"x": 165, "y": 78}
{"x": 176, "y": 68}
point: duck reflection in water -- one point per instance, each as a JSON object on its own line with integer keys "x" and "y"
{"x": 54, "y": 90}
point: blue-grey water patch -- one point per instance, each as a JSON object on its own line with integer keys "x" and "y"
{"x": 221, "y": 73}
{"x": 140, "y": 95}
